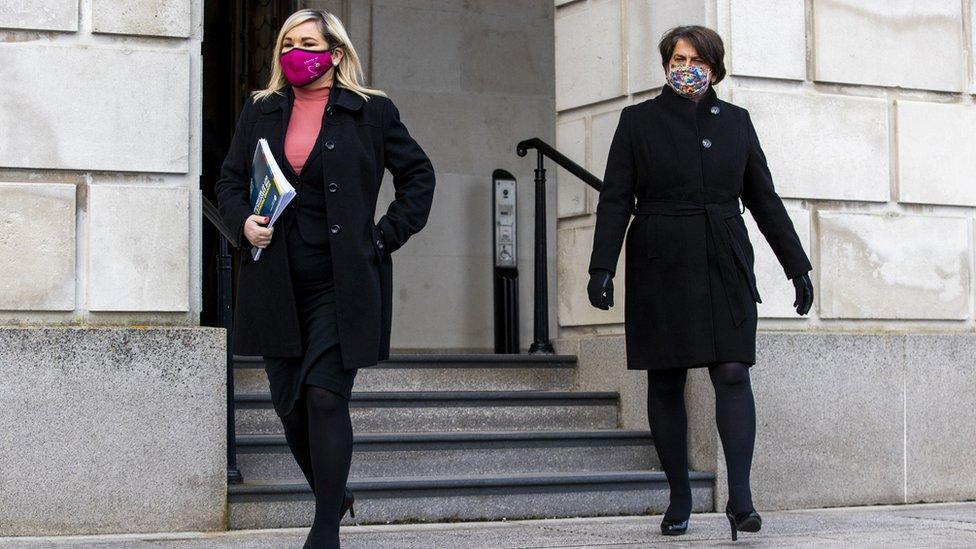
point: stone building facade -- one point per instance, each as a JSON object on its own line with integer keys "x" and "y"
{"x": 865, "y": 110}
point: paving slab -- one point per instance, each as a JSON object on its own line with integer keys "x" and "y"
{"x": 890, "y": 526}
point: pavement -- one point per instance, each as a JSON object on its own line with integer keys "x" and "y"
{"x": 916, "y": 526}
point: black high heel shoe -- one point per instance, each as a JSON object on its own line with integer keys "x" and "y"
{"x": 347, "y": 500}
{"x": 671, "y": 527}
{"x": 746, "y": 522}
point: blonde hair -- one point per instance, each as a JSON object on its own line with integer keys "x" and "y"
{"x": 349, "y": 71}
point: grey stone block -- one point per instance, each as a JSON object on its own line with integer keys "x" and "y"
{"x": 884, "y": 42}
{"x": 874, "y": 265}
{"x": 940, "y": 423}
{"x": 56, "y": 15}
{"x": 112, "y": 430}
{"x": 128, "y": 270}
{"x": 64, "y": 122}
{"x": 829, "y": 420}
{"x": 170, "y": 18}
{"x": 37, "y": 247}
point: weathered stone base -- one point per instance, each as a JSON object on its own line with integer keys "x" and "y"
{"x": 842, "y": 418}
{"x": 109, "y": 430}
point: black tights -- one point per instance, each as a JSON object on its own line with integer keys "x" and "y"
{"x": 735, "y": 416}
{"x": 319, "y": 433}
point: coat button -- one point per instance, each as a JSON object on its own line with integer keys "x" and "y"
{"x": 715, "y": 109}
{"x": 329, "y": 145}
{"x": 328, "y": 110}
{"x": 333, "y": 187}
{"x": 707, "y": 143}
{"x": 379, "y": 243}
{"x": 334, "y": 229}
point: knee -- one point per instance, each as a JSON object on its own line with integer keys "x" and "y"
{"x": 324, "y": 401}
{"x": 663, "y": 384}
{"x": 295, "y": 419}
{"x": 729, "y": 374}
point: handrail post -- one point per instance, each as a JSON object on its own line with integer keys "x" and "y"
{"x": 541, "y": 313}
{"x": 224, "y": 283}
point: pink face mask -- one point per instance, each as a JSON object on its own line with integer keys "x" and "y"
{"x": 304, "y": 66}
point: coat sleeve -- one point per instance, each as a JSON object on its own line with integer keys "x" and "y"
{"x": 233, "y": 188}
{"x": 616, "y": 203}
{"x": 759, "y": 195}
{"x": 413, "y": 182}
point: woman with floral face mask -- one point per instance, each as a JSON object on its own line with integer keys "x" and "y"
{"x": 679, "y": 163}
{"x": 317, "y": 305}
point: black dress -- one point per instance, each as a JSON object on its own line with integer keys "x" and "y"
{"x": 310, "y": 264}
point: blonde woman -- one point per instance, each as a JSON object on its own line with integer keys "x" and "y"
{"x": 317, "y": 304}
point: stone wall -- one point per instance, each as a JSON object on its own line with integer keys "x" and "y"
{"x": 865, "y": 110}
{"x": 112, "y": 430}
{"x": 99, "y": 161}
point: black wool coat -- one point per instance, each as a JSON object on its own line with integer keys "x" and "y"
{"x": 677, "y": 169}
{"x": 360, "y": 139}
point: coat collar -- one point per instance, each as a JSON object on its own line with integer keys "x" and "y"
{"x": 674, "y": 100}
{"x": 339, "y": 96}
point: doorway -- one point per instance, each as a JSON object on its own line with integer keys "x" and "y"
{"x": 238, "y": 39}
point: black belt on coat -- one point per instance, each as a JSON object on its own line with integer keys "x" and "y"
{"x": 715, "y": 215}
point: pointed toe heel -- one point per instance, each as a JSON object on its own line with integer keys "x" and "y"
{"x": 742, "y": 522}
{"x": 674, "y": 527}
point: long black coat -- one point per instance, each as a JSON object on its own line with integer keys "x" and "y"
{"x": 359, "y": 140}
{"x": 690, "y": 287}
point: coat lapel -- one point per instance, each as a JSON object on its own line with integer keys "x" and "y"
{"x": 279, "y": 104}
{"x": 338, "y": 97}
{"x": 320, "y": 139}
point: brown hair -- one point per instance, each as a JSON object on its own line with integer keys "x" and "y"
{"x": 706, "y": 42}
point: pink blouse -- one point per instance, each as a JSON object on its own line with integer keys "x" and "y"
{"x": 304, "y": 125}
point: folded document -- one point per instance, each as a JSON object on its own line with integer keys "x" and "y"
{"x": 270, "y": 190}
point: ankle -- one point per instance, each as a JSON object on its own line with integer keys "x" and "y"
{"x": 678, "y": 511}
{"x": 739, "y": 511}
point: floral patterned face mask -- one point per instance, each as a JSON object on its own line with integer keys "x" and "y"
{"x": 689, "y": 80}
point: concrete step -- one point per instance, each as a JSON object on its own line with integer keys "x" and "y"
{"x": 280, "y": 504}
{"x": 466, "y": 372}
{"x": 423, "y": 411}
{"x": 267, "y": 457}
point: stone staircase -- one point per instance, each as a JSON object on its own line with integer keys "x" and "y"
{"x": 458, "y": 437}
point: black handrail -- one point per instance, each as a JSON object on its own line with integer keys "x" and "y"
{"x": 559, "y": 158}
{"x": 226, "y": 302}
{"x": 212, "y": 214}
{"x": 542, "y": 343}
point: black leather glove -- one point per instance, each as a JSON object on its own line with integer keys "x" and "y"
{"x": 804, "y": 293}
{"x": 600, "y": 289}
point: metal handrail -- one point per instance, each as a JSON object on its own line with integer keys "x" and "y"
{"x": 542, "y": 343}
{"x": 226, "y": 302}
{"x": 559, "y": 158}
{"x": 212, "y": 214}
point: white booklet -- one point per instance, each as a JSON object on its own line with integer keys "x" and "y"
{"x": 270, "y": 190}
